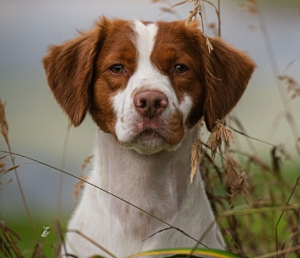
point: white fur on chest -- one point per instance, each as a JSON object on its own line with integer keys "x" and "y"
{"x": 158, "y": 184}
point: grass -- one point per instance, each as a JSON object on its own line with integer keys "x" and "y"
{"x": 256, "y": 230}
{"x": 256, "y": 202}
{"x": 28, "y": 241}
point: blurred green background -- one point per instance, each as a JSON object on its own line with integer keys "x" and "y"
{"x": 37, "y": 126}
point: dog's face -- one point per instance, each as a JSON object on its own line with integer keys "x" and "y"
{"x": 146, "y": 83}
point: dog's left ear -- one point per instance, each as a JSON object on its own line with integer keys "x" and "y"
{"x": 227, "y": 75}
{"x": 69, "y": 69}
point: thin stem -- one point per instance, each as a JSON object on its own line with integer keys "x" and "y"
{"x": 242, "y": 129}
{"x": 22, "y": 193}
{"x": 298, "y": 3}
{"x": 219, "y": 18}
{"x": 250, "y": 137}
{"x": 4, "y": 132}
{"x": 285, "y": 251}
{"x": 115, "y": 196}
{"x": 62, "y": 174}
{"x": 218, "y": 14}
{"x": 209, "y": 227}
{"x": 296, "y": 184}
{"x": 276, "y": 72}
{"x": 91, "y": 241}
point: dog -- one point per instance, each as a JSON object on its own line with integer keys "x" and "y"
{"x": 146, "y": 85}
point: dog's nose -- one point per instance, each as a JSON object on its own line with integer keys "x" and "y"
{"x": 150, "y": 103}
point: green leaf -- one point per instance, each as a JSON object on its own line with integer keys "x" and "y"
{"x": 207, "y": 253}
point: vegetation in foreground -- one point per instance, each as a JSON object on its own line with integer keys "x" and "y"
{"x": 256, "y": 202}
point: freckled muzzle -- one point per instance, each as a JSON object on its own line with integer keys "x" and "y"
{"x": 150, "y": 134}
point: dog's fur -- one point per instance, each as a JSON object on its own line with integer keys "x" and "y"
{"x": 143, "y": 154}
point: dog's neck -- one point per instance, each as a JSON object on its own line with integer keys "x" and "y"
{"x": 157, "y": 183}
{"x": 139, "y": 179}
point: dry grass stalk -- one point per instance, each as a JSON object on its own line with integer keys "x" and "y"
{"x": 86, "y": 162}
{"x": 2, "y": 165}
{"x": 79, "y": 186}
{"x": 2, "y": 172}
{"x": 38, "y": 251}
{"x": 213, "y": 27}
{"x": 92, "y": 242}
{"x": 235, "y": 178}
{"x": 107, "y": 192}
{"x": 60, "y": 189}
{"x": 4, "y": 132}
{"x": 193, "y": 15}
{"x": 218, "y": 135}
{"x": 297, "y": 145}
{"x": 8, "y": 243}
{"x": 258, "y": 161}
{"x": 3, "y": 122}
{"x": 158, "y": 1}
{"x": 195, "y": 158}
{"x": 168, "y": 10}
{"x": 293, "y": 87}
{"x": 277, "y": 153}
{"x": 195, "y": 153}
{"x": 10, "y": 169}
{"x": 208, "y": 44}
{"x": 249, "y": 6}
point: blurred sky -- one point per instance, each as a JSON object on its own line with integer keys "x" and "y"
{"x": 37, "y": 126}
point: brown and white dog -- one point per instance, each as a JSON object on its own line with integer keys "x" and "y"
{"x": 146, "y": 85}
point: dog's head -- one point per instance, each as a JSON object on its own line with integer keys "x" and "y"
{"x": 146, "y": 83}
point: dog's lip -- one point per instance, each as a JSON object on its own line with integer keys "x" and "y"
{"x": 149, "y": 134}
{"x": 147, "y": 124}
{"x": 149, "y": 129}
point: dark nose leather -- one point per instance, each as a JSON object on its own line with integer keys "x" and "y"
{"x": 150, "y": 103}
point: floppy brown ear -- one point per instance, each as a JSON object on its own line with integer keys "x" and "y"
{"x": 230, "y": 71}
{"x": 69, "y": 70}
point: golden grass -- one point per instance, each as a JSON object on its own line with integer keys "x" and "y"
{"x": 265, "y": 222}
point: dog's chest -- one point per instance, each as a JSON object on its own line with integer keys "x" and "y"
{"x": 154, "y": 183}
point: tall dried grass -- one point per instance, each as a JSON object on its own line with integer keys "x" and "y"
{"x": 265, "y": 222}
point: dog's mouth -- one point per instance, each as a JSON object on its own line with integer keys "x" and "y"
{"x": 147, "y": 140}
{"x": 148, "y": 134}
{"x": 149, "y": 129}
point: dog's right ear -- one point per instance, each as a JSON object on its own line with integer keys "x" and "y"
{"x": 226, "y": 80}
{"x": 69, "y": 69}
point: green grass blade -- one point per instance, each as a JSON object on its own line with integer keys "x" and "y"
{"x": 186, "y": 251}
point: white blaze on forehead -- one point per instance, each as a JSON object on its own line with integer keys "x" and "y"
{"x": 144, "y": 41}
{"x": 147, "y": 74}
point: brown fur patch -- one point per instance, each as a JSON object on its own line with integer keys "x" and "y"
{"x": 227, "y": 75}
{"x": 215, "y": 81}
{"x": 117, "y": 49}
{"x": 69, "y": 69}
{"x": 175, "y": 128}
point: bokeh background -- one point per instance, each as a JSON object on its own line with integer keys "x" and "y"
{"x": 37, "y": 126}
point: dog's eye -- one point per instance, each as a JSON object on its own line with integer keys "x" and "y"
{"x": 180, "y": 68}
{"x": 117, "y": 69}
